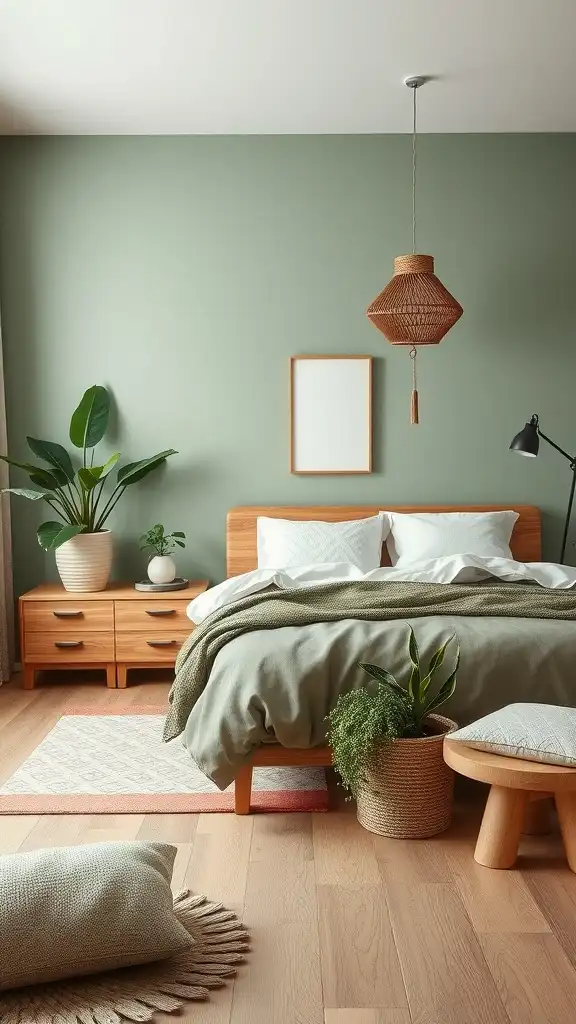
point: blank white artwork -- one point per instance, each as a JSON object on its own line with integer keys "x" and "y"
{"x": 331, "y": 405}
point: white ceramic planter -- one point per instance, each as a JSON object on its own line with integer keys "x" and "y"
{"x": 161, "y": 569}
{"x": 84, "y": 562}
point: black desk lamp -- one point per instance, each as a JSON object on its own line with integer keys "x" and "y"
{"x": 527, "y": 442}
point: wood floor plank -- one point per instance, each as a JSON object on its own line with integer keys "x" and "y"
{"x": 266, "y": 867}
{"x": 282, "y": 836}
{"x": 94, "y": 695}
{"x": 181, "y": 864}
{"x": 446, "y": 976}
{"x": 169, "y": 828}
{"x": 216, "y": 1011}
{"x": 282, "y": 982}
{"x": 343, "y": 851}
{"x": 360, "y": 964}
{"x": 150, "y": 692}
{"x": 495, "y": 901}
{"x": 13, "y": 702}
{"x": 220, "y": 856}
{"x": 358, "y": 1016}
{"x": 27, "y": 730}
{"x": 111, "y": 828}
{"x": 554, "y": 890}
{"x": 57, "y": 830}
{"x": 405, "y": 862}
{"x": 15, "y": 829}
{"x": 536, "y": 981}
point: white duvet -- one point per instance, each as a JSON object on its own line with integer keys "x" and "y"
{"x": 451, "y": 569}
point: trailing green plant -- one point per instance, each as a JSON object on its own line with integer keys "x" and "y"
{"x": 77, "y": 494}
{"x": 160, "y": 542}
{"x": 373, "y": 714}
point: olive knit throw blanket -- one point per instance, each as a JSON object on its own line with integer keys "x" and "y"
{"x": 364, "y": 599}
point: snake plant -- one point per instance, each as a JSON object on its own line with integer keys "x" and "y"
{"x": 368, "y": 715}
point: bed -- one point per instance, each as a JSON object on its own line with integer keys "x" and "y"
{"x": 257, "y": 677}
{"x": 241, "y": 557}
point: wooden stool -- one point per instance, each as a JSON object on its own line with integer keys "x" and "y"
{"x": 514, "y": 785}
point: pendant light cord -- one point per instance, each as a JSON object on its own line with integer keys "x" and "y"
{"x": 413, "y": 353}
{"x": 414, "y": 91}
{"x": 414, "y": 418}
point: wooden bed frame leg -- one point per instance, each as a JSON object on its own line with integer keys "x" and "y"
{"x": 243, "y": 790}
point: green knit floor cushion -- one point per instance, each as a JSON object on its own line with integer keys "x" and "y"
{"x": 80, "y": 910}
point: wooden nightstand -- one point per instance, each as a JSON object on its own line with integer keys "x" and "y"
{"x": 113, "y": 629}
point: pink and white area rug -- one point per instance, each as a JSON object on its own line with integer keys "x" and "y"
{"x": 116, "y": 763}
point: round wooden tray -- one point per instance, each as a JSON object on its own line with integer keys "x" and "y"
{"x": 160, "y": 588}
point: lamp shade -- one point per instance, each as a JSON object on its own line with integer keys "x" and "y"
{"x": 527, "y": 441}
{"x": 415, "y": 308}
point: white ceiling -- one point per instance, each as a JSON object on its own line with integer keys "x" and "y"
{"x": 285, "y": 66}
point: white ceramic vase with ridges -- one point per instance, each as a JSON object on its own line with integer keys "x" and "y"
{"x": 161, "y": 569}
{"x": 84, "y": 562}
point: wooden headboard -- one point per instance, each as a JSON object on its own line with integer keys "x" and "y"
{"x": 241, "y": 526}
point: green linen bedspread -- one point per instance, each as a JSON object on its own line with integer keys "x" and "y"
{"x": 271, "y": 666}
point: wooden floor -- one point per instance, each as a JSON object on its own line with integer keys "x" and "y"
{"x": 348, "y": 928}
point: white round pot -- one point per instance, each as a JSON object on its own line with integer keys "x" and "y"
{"x": 161, "y": 569}
{"x": 84, "y": 562}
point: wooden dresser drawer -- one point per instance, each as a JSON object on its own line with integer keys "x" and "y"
{"x": 150, "y": 645}
{"x": 118, "y": 629}
{"x": 74, "y": 645}
{"x": 61, "y": 616}
{"x": 152, "y": 615}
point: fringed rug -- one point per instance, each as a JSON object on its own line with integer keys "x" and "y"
{"x": 136, "y": 993}
{"x": 114, "y": 762}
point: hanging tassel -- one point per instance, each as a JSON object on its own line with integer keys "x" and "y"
{"x": 414, "y": 408}
{"x": 414, "y": 400}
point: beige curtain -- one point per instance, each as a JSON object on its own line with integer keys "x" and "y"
{"x": 6, "y": 590}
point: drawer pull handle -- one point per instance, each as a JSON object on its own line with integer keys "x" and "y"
{"x": 68, "y": 615}
{"x": 160, "y": 611}
{"x": 160, "y": 643}
{"x": 68, "y": 643}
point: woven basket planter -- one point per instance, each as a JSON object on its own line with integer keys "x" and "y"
{"x": 409, "y": 788}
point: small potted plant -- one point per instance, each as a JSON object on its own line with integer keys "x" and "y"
{"x": 387, "y": 748}
{"x": 161, "y": 568}
{"x": 77, "y": 494}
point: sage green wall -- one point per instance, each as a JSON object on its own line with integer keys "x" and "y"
{"x": 183, "y": 272}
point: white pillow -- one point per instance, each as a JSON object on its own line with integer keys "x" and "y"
{"x": 535, "y": 732}
{"x": 420, "y": 536}
{"x": 283, "y": 543}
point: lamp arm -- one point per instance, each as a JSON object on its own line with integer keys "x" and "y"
{"x": 571, "y": 458}
{"x": 568, "y": 514}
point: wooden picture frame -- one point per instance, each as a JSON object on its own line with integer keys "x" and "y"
{"x": 330, "y": 414}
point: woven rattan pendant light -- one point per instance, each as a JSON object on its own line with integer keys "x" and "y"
{"x": 415, "y": 308}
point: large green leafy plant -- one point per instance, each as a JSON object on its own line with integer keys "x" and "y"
{"x": 370, "y": 715}
{"x": 78, "y": 495}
